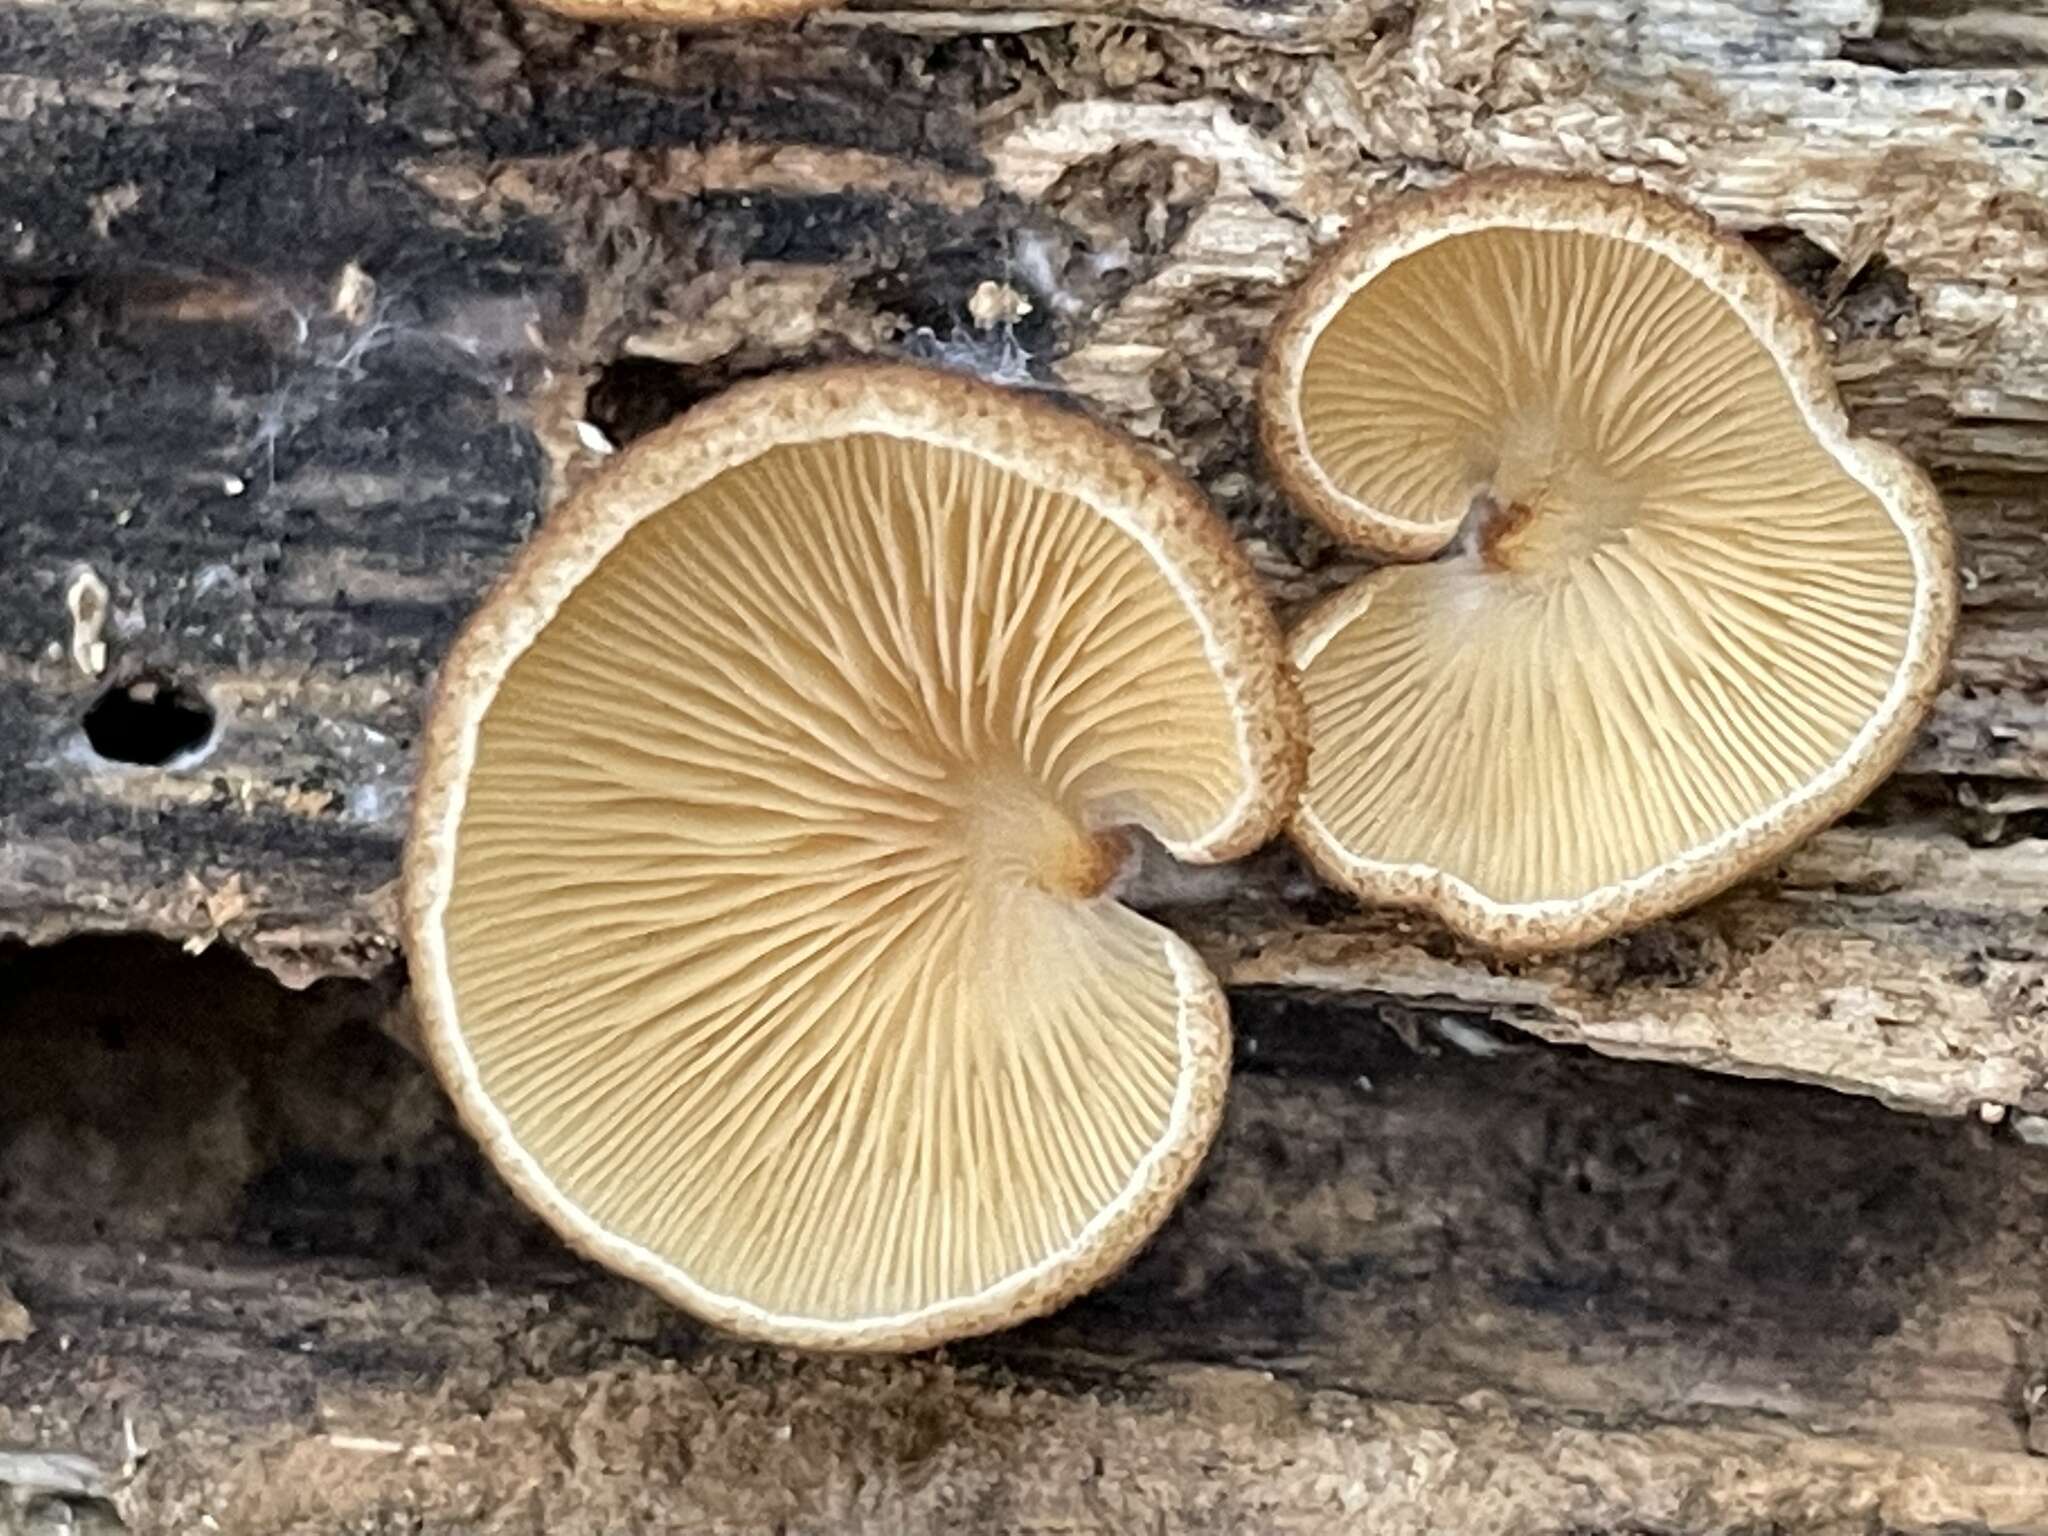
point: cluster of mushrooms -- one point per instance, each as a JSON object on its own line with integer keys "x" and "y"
{"x": 763, "y": 893}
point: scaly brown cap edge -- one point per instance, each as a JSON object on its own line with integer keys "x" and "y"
{"x": 685, "y": 13}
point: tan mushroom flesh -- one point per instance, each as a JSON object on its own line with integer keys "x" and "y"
{"x": 1677, "y": 616}
{"x": 686, "y": 13}
{"x": 761, "y": 892}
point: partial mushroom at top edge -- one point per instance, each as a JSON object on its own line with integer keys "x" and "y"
{"x": 761, "y": 898}
{"x": 685, "y": 13}
{"x": 1668, "y": 614}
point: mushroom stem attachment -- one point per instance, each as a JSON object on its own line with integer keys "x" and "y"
{"x": 1095, "y": 864}
{"x": 1016, "y": 834}
{"x": 1542, "y": 528}
{"x": 1491, "y": 527}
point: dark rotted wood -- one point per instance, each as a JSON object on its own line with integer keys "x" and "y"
{"x": 1430, "y": 1280}
{"x": 295, "y": 494}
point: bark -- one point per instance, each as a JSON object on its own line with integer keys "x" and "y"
{"x": 309, "y": 307}
{"x": 1430, "y": 1281}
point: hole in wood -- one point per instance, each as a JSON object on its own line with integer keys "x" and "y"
{"x": 631, "y": 396}
{"x": 1873, "y": 299}
{"x": 151, "y": 720}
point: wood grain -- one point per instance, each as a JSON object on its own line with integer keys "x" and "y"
{"x": 308, "y": 309}
{"x": 1433, "y": 1279}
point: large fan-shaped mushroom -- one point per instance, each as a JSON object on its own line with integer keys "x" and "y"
{"x": 1679, "y": 616}
{"x": 760, "y": 892}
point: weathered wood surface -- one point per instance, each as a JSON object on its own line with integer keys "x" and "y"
{"x": 1430, "y": 1283}
{"x": 308, "y": 307}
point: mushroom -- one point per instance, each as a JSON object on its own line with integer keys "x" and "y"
{"x": 1676, "y": 615}
{"x": 686, "y": 13}
{"x": 761, "y": 898}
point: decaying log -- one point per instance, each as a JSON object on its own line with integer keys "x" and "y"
{"x": 309, "y": 307}
{"x": 308, "y": 311}
{"x": 1433, "y": 1280}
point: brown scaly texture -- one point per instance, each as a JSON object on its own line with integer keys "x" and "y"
{"x": 1683, "y": 618}
{"x": 685, "y": 13}
{"x": 697, "y": 1033}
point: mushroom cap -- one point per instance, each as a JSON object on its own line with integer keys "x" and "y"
{"x": 686, "y": 13}
{"x": 1679, "y": 615}
{"x": 759, "y": 895}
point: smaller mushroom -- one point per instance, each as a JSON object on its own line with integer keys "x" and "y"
{"x": 1676, "y": 615}
{"x": 761, "y": 900}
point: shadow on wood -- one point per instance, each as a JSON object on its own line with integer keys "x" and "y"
{"x": 241, "y": 1220}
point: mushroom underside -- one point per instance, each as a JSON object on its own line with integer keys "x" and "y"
{"x": 779, "y": 928}
{"x": 1662, "y": 610}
